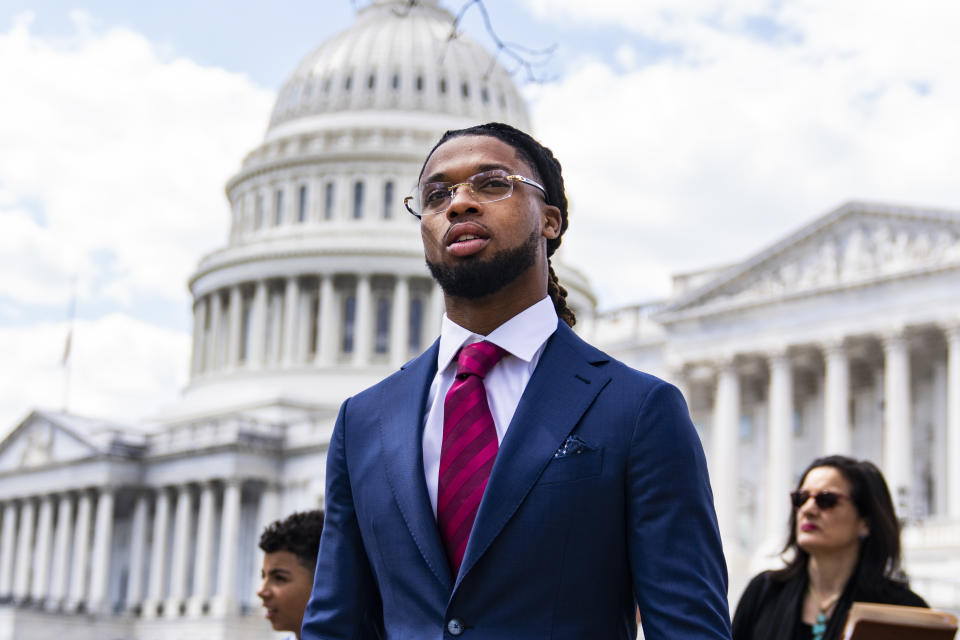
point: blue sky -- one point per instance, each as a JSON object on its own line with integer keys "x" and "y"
{"x": 692, "y": 134}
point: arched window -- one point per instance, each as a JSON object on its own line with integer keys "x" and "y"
{"x": 302, "y": 204}
{"x": 278, "y": 207}
{"x": 358, "y": 199}
{"x": 328, "y": 202}
{"x": 388, "y": 199}
{"x": 382, "y": 340}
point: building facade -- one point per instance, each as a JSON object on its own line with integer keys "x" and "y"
{"x": 843, "y": 337}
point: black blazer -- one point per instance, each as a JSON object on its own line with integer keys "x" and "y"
{"x": 770, "y": 609}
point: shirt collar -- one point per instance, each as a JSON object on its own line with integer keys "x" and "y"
{"x": 521, "y": 336}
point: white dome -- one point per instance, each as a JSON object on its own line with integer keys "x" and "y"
{"x": 398, "y": 57}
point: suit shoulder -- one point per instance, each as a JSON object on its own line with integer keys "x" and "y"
{"x": 617, "y": 369}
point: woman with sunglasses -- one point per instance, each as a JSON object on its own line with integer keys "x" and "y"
{"x": 844, "y": 545}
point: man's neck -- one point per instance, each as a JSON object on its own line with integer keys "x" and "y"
{"x": 483, "y": 315}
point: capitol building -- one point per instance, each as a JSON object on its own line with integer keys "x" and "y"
{"x": 843, "y": 337}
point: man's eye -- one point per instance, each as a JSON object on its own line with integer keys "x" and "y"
{"x": 435, "y": 195}
{"x": 492, "y": 183}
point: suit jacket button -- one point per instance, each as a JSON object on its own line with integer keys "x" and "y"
{"x": 455, "y": 627}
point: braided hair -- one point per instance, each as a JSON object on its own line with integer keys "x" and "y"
{"x": 549, "y": 172}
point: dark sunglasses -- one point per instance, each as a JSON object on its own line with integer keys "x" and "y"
{"x": 824, "y": 499}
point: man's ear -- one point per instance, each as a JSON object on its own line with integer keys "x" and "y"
{"x": 552, "y": 221}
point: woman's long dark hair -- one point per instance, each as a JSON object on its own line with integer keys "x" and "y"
{"x": 549, "y": 172}
{"x": 880, "y": 550}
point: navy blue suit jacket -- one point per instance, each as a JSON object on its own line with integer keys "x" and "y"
{"x": 563, "y": 545}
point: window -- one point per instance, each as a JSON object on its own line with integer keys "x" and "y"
{"x": 349, "y": 318}
{"x": 326, "y": 84}
{"x": 416, "y": 325}
{"x": 348, "y": 83}
{"x": 371, "y": 82}
{"x": 419, "y": 83}
{"x": 465, "y": 90}
{"x": 328, "y": 202}
{"x": 278, "y": 207}
{"x": 746, "y": 427}
{"x": 388, "y": 200}
{"x": 358, "y": 199}
{"x": 395, "y": 83}
{"x": 443, "y": 85}
{"x": 382, "y": 340}
{"x": 258, "y": 212}
{"x": 485, "y": 95}
{"x": 302, "y": 204}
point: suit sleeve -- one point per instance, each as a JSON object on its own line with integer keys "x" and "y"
{"x": 676, "y": 558}
{"x": 345, "y": 603}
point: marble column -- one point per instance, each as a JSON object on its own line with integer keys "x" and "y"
{"x": 267, "y": 512}
{"x": 258, "y": 326}
{"x": 158, "y": 554}
{"x": 181, "y": 547}
{"x": 203, "y": 563}
{"x": 42, "y": 549}
{"x": 329, "y": 325}
{"x": 836, "y": 433}
{"x": 726, "y": 436}
{"x": 290, "y": 305}
{"x": 138, "y": 544}
{"x": 953, "y": 422}
{"x": 199, "y": 320}
{"x": 779, "y": 449}
{"x": 400, "y": 323}
{"x": 61, "y": 552}
{"x": 214, "y": 357}
{"x": 225, "y": 601}
{"x": 362, "y": 325}
{"x": 8, "y": 544}
{"x": 435, "y": 311}
{"x": 21, "y": 578}
{"x": 306, "y": 305}
{"x": 232, "y": 359}
{"x": 897, "y": 445}
{"x": 81, "y": 552}
{"x": 102, "y": 543}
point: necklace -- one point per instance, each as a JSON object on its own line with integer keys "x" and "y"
{"x": 820, "y": 625}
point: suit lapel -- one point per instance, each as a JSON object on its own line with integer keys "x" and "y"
{"x": 401, "y": 432}
{"x": 560, "y": 390}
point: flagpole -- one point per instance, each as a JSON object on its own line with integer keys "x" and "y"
{"x": 65, "y": 362}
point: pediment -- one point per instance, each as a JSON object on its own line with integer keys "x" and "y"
{"x": 851, "y": 246}
{"x": 41, "y": 440}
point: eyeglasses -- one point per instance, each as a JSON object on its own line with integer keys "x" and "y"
{"x": 488, "y": 186}
{"x": 824, "y": 499}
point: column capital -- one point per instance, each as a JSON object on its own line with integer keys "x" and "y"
{"x": 951, "y": 329}
{"x": 833, "y": 344}
{"x": 893, "y": 335}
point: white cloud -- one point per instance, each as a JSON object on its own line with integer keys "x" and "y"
{"x": 120, "y": 369}
{"x": 705, "y": 156}
{"x": 122, "y": 152}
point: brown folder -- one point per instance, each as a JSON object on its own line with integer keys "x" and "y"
{"x": 871, "y": 621}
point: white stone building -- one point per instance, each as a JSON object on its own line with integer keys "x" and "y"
{"x": 843, "y": 337}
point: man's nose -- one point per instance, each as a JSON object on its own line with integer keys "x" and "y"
{"x": 462, "y": 200}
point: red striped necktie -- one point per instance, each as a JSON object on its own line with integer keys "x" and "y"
{"x": 468, "y": 450}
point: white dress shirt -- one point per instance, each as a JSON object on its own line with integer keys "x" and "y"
{"x": 522, "y": 337}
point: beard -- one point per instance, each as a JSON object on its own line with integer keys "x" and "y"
{"x": 480, "y": 278}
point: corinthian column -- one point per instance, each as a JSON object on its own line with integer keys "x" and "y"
{"x": 233, "y": 327}
{"x": 214, "y": 357}
{"x": 158, "y": 554}
{"x": 953, "y": 422}
{"x": 225, "y": 601}
{"x": 836, "y": 435}
{"x": 199, "y": 318}
{"x": 178, "y": 564}
{"x": 897, "y": 447}
{"x": 290, "y": 304}
{"x": 400, "y": 324}
{"x": 203, "y": 564}
{"x": 41, "y": 559}
{"x": 726, "y": 422}
{"x": 81, "y": 552}
{"x": 102, "y": 542}
{"x": 61, "y": 551}
{"x": 138, "y": 537}
{"x": 21, "y": 584}
{"x": 779, "y": 448}
{"x": 329, "y": 326}
{"x": 258, "y": 326}
{"x": 7, "y": 545}
{"x": 362, "y": 321}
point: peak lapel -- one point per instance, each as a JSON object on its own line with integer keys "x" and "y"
{"x": 401, "y": 436}
{"x": 560, "y": 390}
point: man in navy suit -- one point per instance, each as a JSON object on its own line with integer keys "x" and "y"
{"x": 513, "y": 481}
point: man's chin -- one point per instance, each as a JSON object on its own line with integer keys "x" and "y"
{"x": 473, "y": 278}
